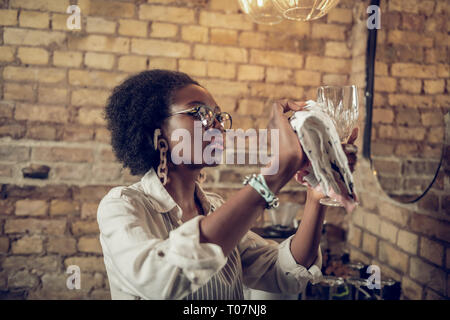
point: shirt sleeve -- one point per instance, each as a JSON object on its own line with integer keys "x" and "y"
{"x": 148, "y": 266}
{"x": 270, "y": 266}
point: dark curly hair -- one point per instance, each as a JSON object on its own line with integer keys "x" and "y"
{"x": 135, "y": 109}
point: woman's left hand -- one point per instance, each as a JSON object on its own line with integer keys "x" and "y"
{"x": 350, "y": 151}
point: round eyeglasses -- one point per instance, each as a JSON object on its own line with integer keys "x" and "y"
{"x": 207, "y": 116}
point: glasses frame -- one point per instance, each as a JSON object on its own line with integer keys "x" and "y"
{"x": 194, "y": 111}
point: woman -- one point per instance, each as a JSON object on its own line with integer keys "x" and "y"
{"x": 164, "y": 237}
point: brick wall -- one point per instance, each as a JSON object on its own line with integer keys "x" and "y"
{"x": 410, "y": 242}
{"x": 411, "y": 96}
{"x": 54, "y": 85}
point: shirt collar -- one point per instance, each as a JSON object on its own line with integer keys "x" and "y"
{"x": 163, "y": 201}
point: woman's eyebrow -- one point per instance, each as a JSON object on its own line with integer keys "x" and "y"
{"x": 202, "y": 103}
{"x": 197, "y": 102}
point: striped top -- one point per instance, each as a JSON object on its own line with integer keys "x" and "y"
{"x": 226, "y": 284}
{"x": 149, "y": 253}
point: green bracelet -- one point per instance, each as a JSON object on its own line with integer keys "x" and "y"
{"x": 259, "y": 184}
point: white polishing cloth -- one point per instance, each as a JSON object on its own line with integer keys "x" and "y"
{"x": 328, "y": 171}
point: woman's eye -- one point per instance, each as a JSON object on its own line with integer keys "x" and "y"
{"x": 209, "y": 115}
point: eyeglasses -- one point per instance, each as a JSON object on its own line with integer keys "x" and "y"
{"x": 207, "y": 116}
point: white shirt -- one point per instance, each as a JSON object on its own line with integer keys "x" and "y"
{"x": 149, "y": 253}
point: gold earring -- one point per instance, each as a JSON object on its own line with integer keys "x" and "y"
{"x": 161, "y": 144}
{"x": 156, "y": 135}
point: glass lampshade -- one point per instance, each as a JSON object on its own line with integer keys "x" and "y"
{"x": 304, "y": 10}
{"x": 261, "y": 11}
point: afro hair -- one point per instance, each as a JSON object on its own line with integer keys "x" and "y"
{"x": 137, "y": 107}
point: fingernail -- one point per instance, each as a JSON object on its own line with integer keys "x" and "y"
{"x": 350, "y": 148}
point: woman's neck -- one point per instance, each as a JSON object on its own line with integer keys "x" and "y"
{"x": 181, "y": 187}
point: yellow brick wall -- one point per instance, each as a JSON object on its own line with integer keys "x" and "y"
{"x": 410, "y": 242}
{"x": 54, "y": 84}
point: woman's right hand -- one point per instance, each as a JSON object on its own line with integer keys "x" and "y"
{"x": 291, "y": 157}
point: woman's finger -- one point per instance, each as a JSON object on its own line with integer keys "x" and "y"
{"x": 301, "y": 103}
{"x": 353, "y": 136}
{"x": 295, "y": 105}
{"x": 289, "y": 105}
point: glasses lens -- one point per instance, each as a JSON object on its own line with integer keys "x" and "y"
{"x": 225, "y": 120}
{"x": 206, "y": 115}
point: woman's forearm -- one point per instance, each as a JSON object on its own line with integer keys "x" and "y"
{"x": 305, "y": 242}
{"x": 229, "y": 223}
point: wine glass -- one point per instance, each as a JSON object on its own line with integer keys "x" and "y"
{"x": 261, "y": 11}
{"x": 341, "y": 104}
{"x": 304, "y": 10}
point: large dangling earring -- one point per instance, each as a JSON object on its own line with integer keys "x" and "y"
{"x": 161, "y": 144}
{"x": 202, "y": 176}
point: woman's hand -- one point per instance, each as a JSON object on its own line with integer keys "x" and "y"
{"x": 350, "y": 151}
{"x": 291, "y": 156}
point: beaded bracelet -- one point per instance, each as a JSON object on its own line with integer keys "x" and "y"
{"x": 259, "y": 184}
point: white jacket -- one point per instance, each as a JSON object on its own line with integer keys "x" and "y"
{"x": 145, "y": 260}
